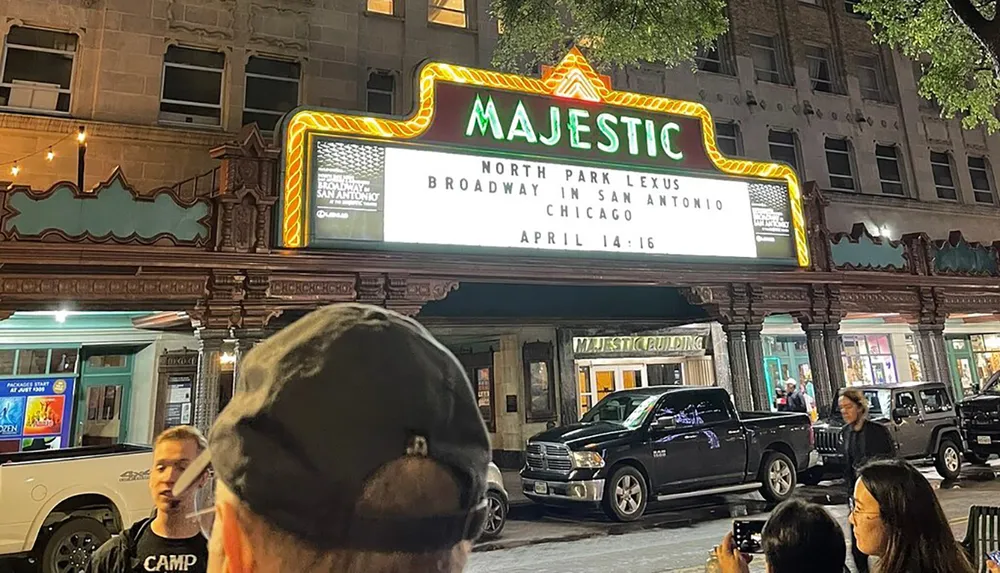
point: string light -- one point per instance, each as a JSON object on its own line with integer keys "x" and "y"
{"x": 48, "y": 150}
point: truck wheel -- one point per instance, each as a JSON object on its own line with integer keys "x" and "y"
{"x": 625, "y": 495}
{"x": 948, "y": 460}
{"x": 977, "y": 459}
{"x": 778, "y": 476}
{"x": 70, "y": 545}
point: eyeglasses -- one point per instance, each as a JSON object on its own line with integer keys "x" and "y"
{"x": 853, "y": 509}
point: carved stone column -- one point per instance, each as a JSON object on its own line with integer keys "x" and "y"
{"x": 206, "y": 406}
{"x": 739, "y": 373}
{"x": 755, "y": 363}
{"x": 934, "y": 355}
{"x": 818, "y": 364}
{"x": 834, "y": 356}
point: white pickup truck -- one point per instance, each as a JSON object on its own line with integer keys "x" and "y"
{"x": 58, "y": 506}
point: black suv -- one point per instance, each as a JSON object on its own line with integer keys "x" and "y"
{"x": 979, "y": 417}
{"x": 921, "y": 417}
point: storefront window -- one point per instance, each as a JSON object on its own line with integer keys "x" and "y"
{"x": 913, "y": 357}
{"x": 586, "y": 395}
{"x": 986, "y": 349}
{"x": 479, "y": 369}
{"x": 33, "y": 361}
{"x": 6, "y": 362}
{"x": 868, "y": 360}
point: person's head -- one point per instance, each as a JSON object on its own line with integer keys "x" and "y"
{"x": 790, "y": 386}
{"x": 779, "y": 391}
{"x": 354, "y": 444}
{"x": 801, "y": 536}
{"x": 853, "y": 405}
{"x": 173, "y": 451}
{"x": 897, "y": 517}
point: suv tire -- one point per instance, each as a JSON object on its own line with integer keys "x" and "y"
{"x": 778, "y": 475}
{"x": 625, "y": 495}
{"x": 948, "y": 460}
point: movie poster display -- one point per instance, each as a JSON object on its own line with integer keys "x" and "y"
{"x": 35, "y": 413}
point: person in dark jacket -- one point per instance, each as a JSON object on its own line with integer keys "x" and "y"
{"x": 169, "y": 540}
{"x": 863, "y": 441}
{"x": 796, "y": 400}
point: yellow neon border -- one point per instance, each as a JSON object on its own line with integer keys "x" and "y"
{"x": 305, "y": 123}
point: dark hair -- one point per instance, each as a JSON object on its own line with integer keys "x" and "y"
{"x": 801, "y": 536}
{"x": 918, "y": 536}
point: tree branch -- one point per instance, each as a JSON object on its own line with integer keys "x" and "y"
{"x": 974, "y": 19}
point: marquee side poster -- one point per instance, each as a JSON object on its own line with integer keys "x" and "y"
{"x": 35, "y": 413}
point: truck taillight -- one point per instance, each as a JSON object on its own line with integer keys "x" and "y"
{"x": 812, "y": 437}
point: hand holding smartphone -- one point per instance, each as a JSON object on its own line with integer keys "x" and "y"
{"x": 993, "y": 556}
{"x": 747, "y": 535}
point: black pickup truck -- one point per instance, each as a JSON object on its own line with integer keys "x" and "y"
{"x": 979, "y": 417}
{"x": 666, "y": 442}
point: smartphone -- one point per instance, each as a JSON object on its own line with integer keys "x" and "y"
{"x": 747, "y": 535}
{"x": 994, "y": 556}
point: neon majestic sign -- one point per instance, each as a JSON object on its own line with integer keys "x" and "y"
{"x": 484, "y": 120}
{"x": 559, "y": 163}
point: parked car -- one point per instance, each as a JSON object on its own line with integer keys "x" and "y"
{"x": 499, "y": 504}
{"x": 666, "y": 442}
{"x": 920, "y": 416}
{"x": 979, "y": 418}
{"x": 58, "y": 506}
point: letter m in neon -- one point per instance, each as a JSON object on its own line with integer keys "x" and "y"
{"x": 484, "y": 116}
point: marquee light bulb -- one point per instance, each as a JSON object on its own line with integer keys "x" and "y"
{"x": 15, "y": 170}
{"x": 50, "y": 155}
{"x": 82, "y": 136}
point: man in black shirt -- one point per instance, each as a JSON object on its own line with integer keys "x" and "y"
{"x": 863, "y": 441}
{"x": 169, "y": 541}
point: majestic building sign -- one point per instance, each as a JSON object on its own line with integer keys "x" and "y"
{"x": 662, "y": 344}
{"x": 560, "y": 164}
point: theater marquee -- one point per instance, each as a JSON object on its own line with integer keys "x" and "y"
{"x": 491, "y": 161}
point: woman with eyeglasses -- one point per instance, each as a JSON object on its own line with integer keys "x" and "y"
{"x": 896, "y": 517}
{"x": 863, "y": 441}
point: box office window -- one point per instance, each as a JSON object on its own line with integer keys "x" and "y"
{"x": 539, "y": 382}
{"x": 479, "y": 369}
{"x": 35, "y": 361}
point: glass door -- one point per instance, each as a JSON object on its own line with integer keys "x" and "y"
{"x": 103, "y": 397}
{"x": 772, "y": 375}
{"x": 962, "y": 365}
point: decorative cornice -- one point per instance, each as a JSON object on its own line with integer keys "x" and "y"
{"x": 326, "y": 289}
{"x": 52, "y": 289}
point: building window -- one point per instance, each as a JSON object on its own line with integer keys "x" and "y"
{"x": 783, "y": 147}
{"x": 868, "y": 360}
{"x": 539, "y": 382}
{"x": 382, "y": 6}
{"x": 889, "y": 173}
{"x": 819, "y": 68}
{"x": 870, "y": 77}
{"x": 981, "y": 186}
{"x": 764, "y": 51}
{"x": 838, "y": 162}
{"x": 727, "y": 137}
{"x": 37, "y": 70}
{"x": 943, "y": 180}
{"x": 709, "y": 59}
{"x": 34, "y": 361}
{"x": 381, "y": 90}
{"x": 447, "y": 12}
{"x": 849, "y": 7}
{"x": 192, "y": 86}
{"x": 272, "y": 90}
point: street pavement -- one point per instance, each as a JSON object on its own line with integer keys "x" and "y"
{"x": 677, "y": 539}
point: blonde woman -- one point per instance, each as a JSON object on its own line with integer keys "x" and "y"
{"x": 863, "y": 441}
